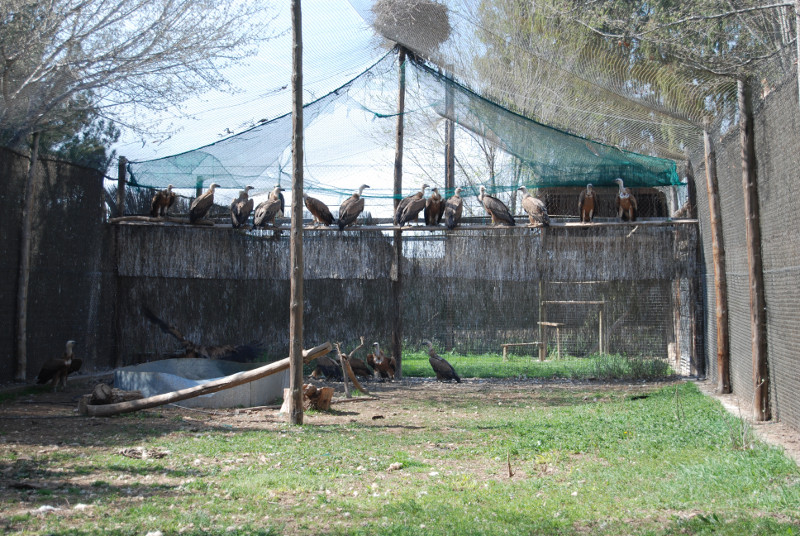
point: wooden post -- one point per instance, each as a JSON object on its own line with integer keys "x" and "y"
{"x": 449, "y": 139}
{"x": 718, "y": 255}
{"x": 122, "y": 169}
{"x": 24, "y": 274}
{"x": 296, "y": 255}
{"x": 558, "y": 341}
{"x": 397, "y": 271}
{"x": 758, "y": 306}
{"x": 600, "y": 347}
{"x": 797, "y": 45}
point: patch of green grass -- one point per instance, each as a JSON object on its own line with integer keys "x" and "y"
{"x": 603, "y": 367}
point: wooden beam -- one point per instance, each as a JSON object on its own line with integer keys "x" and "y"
{"x": 227, "y": 382}
{"x": 122, "y": 168}
{"x": 758, "y": 306}
{"x": 397, "y": 268}
{"x": 296, "y": 247}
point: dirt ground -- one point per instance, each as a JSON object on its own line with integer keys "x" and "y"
{"x": 45, "y": 418}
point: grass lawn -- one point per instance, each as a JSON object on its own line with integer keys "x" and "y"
{"x": 486, "y": 456}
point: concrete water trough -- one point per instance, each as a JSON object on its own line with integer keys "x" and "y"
{"x": 169, "y": 375}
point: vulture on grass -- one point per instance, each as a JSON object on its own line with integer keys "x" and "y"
{"x": 383, "y": 366}
{"x": 241, "y": 207}
{"x": 161, "y": 202}
{"x": 266, "y": 211}
{"x": 319, "y": 210}
{"x": 626, "y": 203}
{"x": 200, "y": 206}
{"x": 453, "y": 209}
{"x": 587, "y": 204}
{"x": 409, "y": 207}
{"x": 496, "y": 209}
{"x": 351, "y": 208}
{"x": 56, "y": 370}
{"x": 434, "y": 208}
{"x": 444, "y": 370}
{"x": 537, "y": 212}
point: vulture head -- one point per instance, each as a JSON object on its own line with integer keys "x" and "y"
{"x": 361, "y": 188}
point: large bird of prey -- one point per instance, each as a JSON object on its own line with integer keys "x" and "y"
{"x": 241, "y": 207}
{"x": 496, "y": 209}
{"x": 56, "y": 370}
{"x": 351, "y": 208}
{"x": 268, "y": 210}
{"x": 537, "y": 212}
{"x": 587, "y": 204}
{"x": 453, "y": 209}
{"x": 200, "y": 206}
{"x": 434, "y": 208}
{"x": 443, "y": 369}
{"x": 161, "y": 202}
{"x": 319, "y": 210}
{"x": 626, "y": 203}
{"x": 408, "y": 208}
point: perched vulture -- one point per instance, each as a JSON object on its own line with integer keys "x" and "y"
{"x": 452, "y": 209}
{"x": 444, "y": 370}
{"x": 351, "y": 208}
{"x": 626, "y": 203}
{"x": 408, "y": 208}
{"x": 276, "y": 194}
{"x": 319, "y": 210}
{"x": 241, "y": 208}
{"x": 360, "y": 368}
{"x": 161, "y": 203}
{"x": 434, "y": 208}
{"x": 587, "y": 204}
{"x": 383, "y": 366}
{"x": 537, "y": 212}
{"x": 56, "y": 370}
{"x": 266, "y": 211}
{"x": 200, "y": 206}
{"x": 496, "y": 209}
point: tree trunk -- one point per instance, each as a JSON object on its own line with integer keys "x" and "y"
{"x": 296, "y": 261}
{"x": 758, "y": 306}
{"x": 24, "y": 274}
{"x": 397, "y": 279}
{"x": 121, "y": 172}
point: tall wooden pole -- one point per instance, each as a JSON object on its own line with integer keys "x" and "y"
{"x": 24, "y": 274}
{"x": 720, "y": 275}
{"x": 397, "y": 268}
{"x": 296, "y": 256}
{"x": 121, "y": 173}
{"x": 450, "y": 139}
{"x": 758, "y": 306}
{"x": 698, "y": 361}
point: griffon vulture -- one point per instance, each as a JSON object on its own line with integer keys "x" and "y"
{"x": 587, "y": 203}
{"x": 319, "y": 210}
{"x": 537, "y": 212}
{"x": 241, "y": 207}
{"x": 351, "y": 208}
{"x": 266, "y": 211}
{"x": 452, "y": 209}
{"x": 496, "y": 209}
{"x": 161, "y": 203}
{"x": 626, "y": 203}
{"x": 56, "y": 370}
{"x": 383, "y": 366}
{"x": 409, "y": 208}
{"x": 434, "y": 208}
{"x": 200, "y": 206}
{"x": 444, "y": 370}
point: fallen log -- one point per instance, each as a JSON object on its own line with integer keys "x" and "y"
{"x": 227, "y": 382}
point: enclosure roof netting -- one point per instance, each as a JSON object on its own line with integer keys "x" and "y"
{"x": 262, "y": 154}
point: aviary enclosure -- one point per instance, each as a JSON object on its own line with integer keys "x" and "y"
{"x": 646, "y": 289}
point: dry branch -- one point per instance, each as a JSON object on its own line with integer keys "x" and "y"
{"x": 345, "y": 360}
{"x": 211, "y": 387}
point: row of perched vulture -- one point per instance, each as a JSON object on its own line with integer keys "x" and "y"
{"x": 435, "y": 208}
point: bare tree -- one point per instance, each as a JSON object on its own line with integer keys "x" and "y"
{"x": 145, "y": 53}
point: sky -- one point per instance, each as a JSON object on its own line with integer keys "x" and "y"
{"x": 337, "y": 45}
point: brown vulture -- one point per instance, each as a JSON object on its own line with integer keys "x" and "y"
{"x": 276, "y": 194}
{"x": 444, "y": 370}
{"x": 200, "y": 206}
{"x": 383, "y": 366}
{"x": 587, "y": 204}
{"x": 56, "y": 370}
{"x": 360, "y": 368}
{"x": 496, "y": 209}
{"x": 351, "y": 208}
{"x": 452, "y": 209}
{"x": 241, "y": 207}
{"x": 626, "y": 203}
{"x": 266, "y": 211}
{"x": 319, "y": 210}
{"x": 161, "y": 203}
{"x": 408, "y": 208}
{"x": 328, "y": 367}
{"x": 434, "y": 208}
{"x": 537, "y": 212}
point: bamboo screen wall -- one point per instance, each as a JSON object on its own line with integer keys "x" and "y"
{"x": 777, "y": 138}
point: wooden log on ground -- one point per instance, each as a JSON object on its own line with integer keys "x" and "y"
{"x": 318, "y": 398}
{"x": 211, "y": 387}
